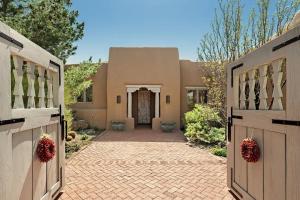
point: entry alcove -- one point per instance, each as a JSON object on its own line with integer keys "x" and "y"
{"x": 143, "y": 106}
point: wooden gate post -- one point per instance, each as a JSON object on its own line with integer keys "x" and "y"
{"x": 5, "y": 114}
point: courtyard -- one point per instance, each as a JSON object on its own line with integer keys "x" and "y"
{"x": 144, "y": 164}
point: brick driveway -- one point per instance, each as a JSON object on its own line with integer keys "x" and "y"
{"x": 143, "y": 164}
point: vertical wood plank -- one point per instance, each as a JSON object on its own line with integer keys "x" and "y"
{"x": 274, "y": 166}
{"x": 293, "y": 163}
{"x": 240, "y": 165}
{"x": 39, "y": 168}
{"x": 5, "y": 76}
{"x": 6, "y": 164}
{"x": 277, "y": 77}
{"x": 242, "y": 91}
{"x": 255, "y": 170}
{"x": 53, "y": 165}
{"x": 22, "y": 165}
{"x": 55, "y": 87}
{"x": 50, "y": 89}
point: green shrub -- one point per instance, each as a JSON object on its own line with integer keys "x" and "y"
{"x": 219, "y": 151}
{"x": 84, "y": 137}
{"x": 202, "y": 125}
{"x": 72, "y": 147}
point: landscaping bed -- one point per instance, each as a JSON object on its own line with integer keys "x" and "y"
{"x": 203, "y": 128}
{"x": 76, "y": 140}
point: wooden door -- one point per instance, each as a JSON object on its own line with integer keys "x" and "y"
{"x": 263, "y": 103}
{"x": 135, "y": 107}
{"x": 144, "y": 107}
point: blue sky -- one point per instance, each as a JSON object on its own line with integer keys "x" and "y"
{"x": 140, "y": 23}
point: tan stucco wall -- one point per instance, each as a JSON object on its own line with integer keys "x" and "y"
{"x": 191, "y": 74}
{"x": 95, "y": 112}
{"x": 130, "y": 66}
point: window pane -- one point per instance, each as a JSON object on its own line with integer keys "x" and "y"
{"x": 203, "y": 96}
{"x": 80, "y": 98}
{"x": 89, "y": 94}
{"x": 190, "y": 98}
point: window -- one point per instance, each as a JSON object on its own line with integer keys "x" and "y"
{"x": 196, "y": 95}
{"x": 87, "y": 95}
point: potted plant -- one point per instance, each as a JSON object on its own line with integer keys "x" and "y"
{"x": 117, "y": 126}
{"x": 167, "y": 126}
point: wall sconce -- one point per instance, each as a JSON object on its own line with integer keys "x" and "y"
{"x": 118, "y": 99}
{"x": 168, "y": 99}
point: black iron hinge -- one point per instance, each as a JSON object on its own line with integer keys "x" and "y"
{"x": 66, "y": 129}
{"x": 288, "y": 42}
{"x": 230, "y": 123}
{"x": 286, "y": 122}
{"x": 62, "y": 126}
{"x": 11, "y": 121}
{"x": 57, "y": 65}
{"x": 233, "y": 68}
{"x": 11, "y": 40}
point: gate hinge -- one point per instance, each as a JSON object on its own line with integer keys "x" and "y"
{"x": 230, "y": 123}
{"x": 62, "y": 126}
{"x": 286, "y": 122}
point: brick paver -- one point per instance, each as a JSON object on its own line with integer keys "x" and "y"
{"x": 143, "y": 164}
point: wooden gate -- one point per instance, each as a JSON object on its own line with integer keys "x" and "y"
{"x": 263, "y": 97}
{"x": 31, "y": 103}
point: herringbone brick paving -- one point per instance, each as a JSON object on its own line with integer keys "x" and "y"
{"x": 144, "y": 164}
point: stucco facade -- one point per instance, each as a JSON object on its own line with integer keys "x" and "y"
{"x": 141, "y": 85}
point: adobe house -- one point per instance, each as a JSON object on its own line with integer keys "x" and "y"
{"x": 142, "y": 86}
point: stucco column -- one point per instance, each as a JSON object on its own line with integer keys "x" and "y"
{"x": 156, "y": 104}
{"x": 129, "y": 104}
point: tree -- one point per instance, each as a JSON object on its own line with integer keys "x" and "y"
{"x": 51, "y": 24}
{"x": 77, "y": 79}
{"x": 232, "y": 36}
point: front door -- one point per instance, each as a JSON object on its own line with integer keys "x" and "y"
{"x": 143, "y": 107}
